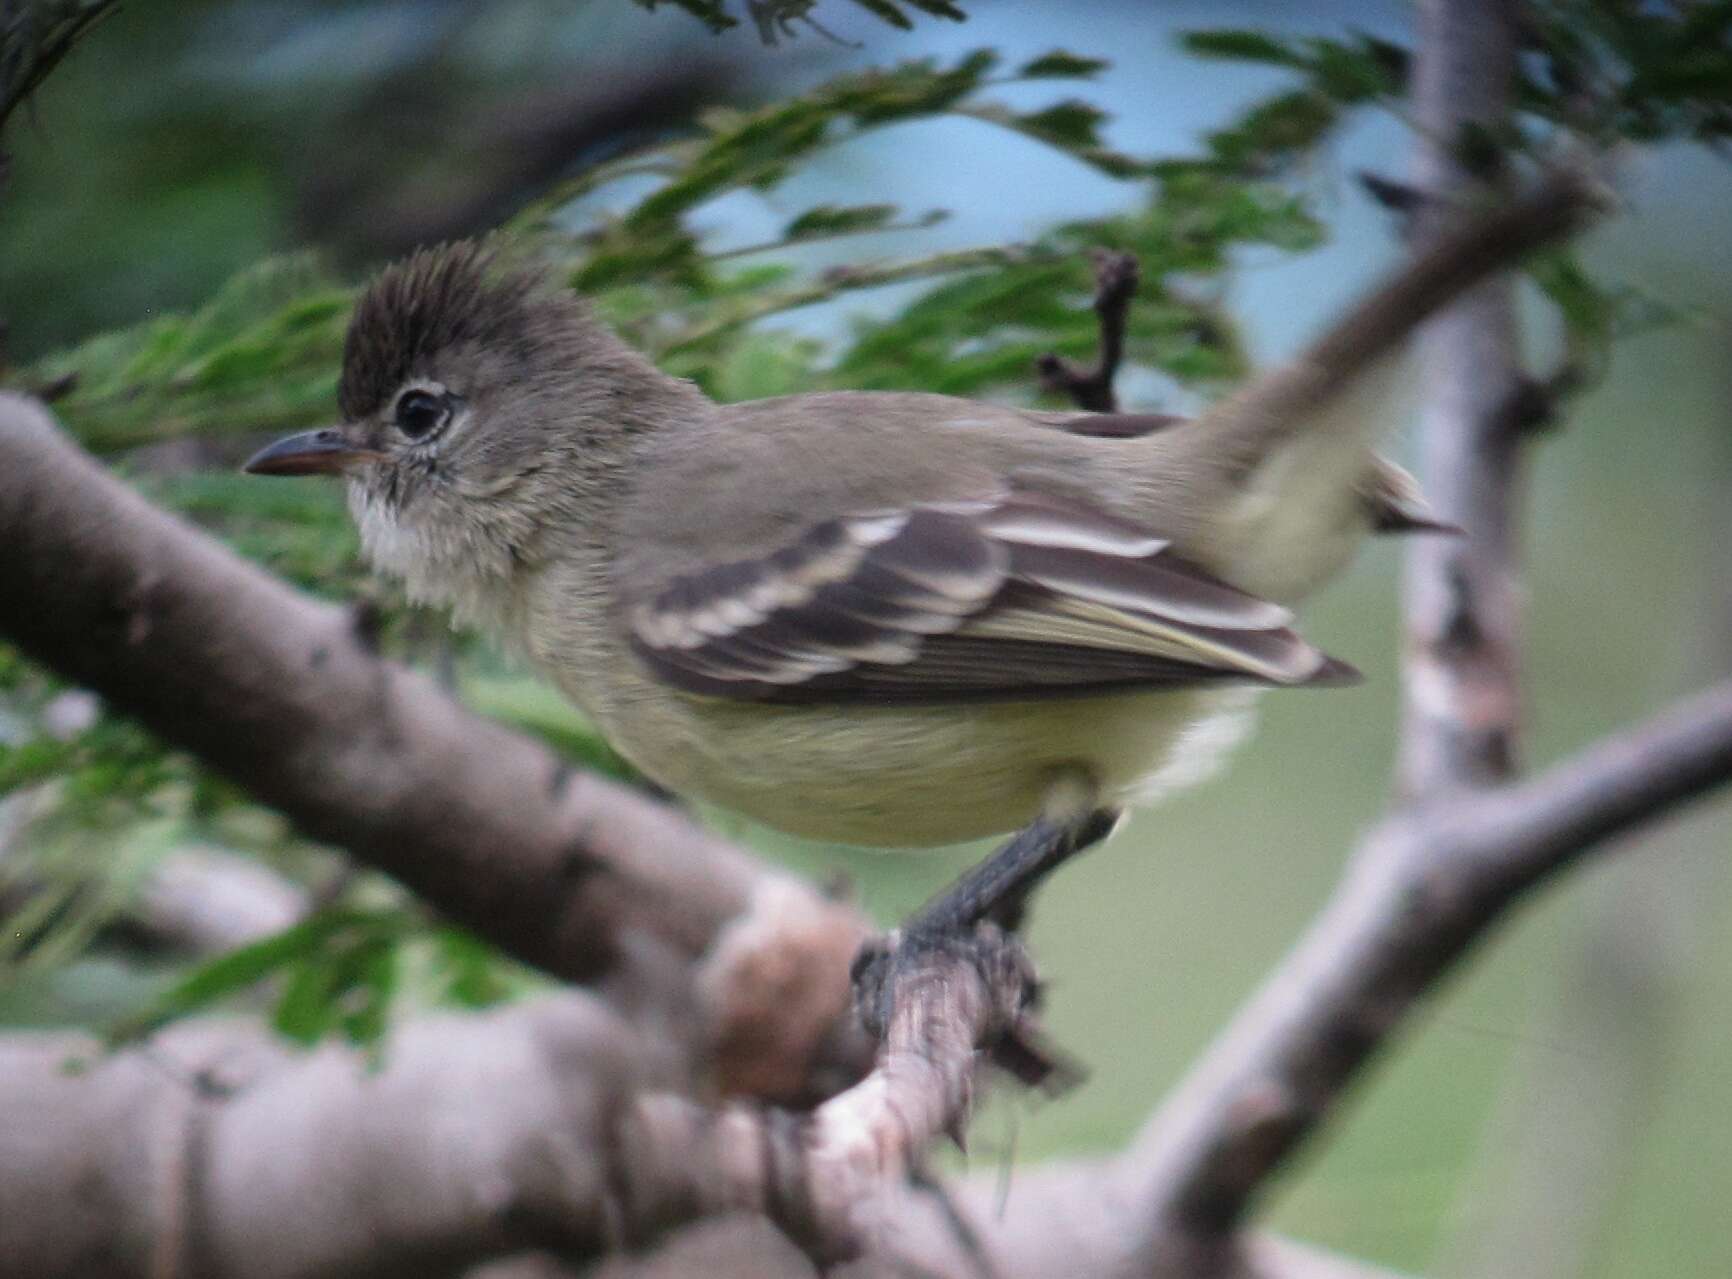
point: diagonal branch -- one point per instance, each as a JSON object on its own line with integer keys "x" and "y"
{"x": 1492, "y": 239}
{"x": 1424, "y": 886}
{"x": 283, "y": 695}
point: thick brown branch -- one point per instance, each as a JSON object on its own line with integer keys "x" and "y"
{"x": 1424, "y": 886}
{"x": 219, "y": 1152}
{"x": 552, "y": 1125}
{"x": 278, "y": 692}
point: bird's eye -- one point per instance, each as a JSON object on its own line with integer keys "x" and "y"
{"x": 420, "y": 413}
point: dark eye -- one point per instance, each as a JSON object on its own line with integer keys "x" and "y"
{"x": 420, "y": 413}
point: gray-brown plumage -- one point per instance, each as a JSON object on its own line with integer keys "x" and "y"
{"x": 880, "y": 618}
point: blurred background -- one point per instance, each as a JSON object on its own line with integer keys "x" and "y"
{"x": 1572, "y": 1086}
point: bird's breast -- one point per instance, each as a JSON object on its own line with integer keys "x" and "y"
{"x": 902, "y": 777}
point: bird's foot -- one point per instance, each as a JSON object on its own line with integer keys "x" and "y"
{"x": 891, "y": 968}
{"x": 973, "y": 922}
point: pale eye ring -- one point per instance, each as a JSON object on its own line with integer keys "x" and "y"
{"x": 420, "y": 413}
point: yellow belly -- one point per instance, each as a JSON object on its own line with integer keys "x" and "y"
{"x": 925, "y": 776}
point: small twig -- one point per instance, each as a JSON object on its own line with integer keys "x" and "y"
{"x": 775, "y": 20}
{"x": 1091, "y": 386}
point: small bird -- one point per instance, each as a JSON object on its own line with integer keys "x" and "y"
{"x": 874, "y": 618}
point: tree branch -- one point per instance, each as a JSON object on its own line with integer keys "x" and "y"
{"x": 1417, "y": 896}
{"x": 551, "y": 1125}
{"x": 1435, "y": 876}
{"x": 220, "y": 1152}
{"x": 281, "y": 694}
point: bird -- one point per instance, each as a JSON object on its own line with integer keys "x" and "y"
{"x": 886, "y": 619}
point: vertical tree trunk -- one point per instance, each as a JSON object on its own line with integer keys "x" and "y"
{"x": 1462, "y": 599}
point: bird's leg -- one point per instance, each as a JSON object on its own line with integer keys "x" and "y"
{"x": 974, "y": 919}
{"x": 1091, "y": 387}
{"x": 996, "y": 889}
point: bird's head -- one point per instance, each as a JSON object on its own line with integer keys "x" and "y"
{"x": 450, "y": 367}
{"x": 479, "y": 402}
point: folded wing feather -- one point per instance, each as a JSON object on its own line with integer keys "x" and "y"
{"x": 1022, "y": 596}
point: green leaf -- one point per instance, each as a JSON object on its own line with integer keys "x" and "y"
{"x": 349, "y": 986}
{"x": 762, "y": 365}
{"x": 1072, "y": 124}
{"x": 1270, "y": 133}
{"x": 1237, "y": 45}
{"x": 1585, "y": 307}
{"x": 1061, "y": 65}
{"x": 239, "y": 969}
{"x": 1700, "y": 74}
{"x": 1353, "y": 73}
{"x": 827, "y": 219}
{"x": 307, "y": 1010}
{"x": 229, "y": 974}
{"x": 887, "y": 12}
{"x": 373, "y": 989}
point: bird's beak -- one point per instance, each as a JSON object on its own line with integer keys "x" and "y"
{"x": 323, "y": 452}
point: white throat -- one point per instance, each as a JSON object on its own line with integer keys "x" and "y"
{"x": 461, "y": 568}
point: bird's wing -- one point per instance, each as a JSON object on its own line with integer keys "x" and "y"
{"x": 1019, "y": 597}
